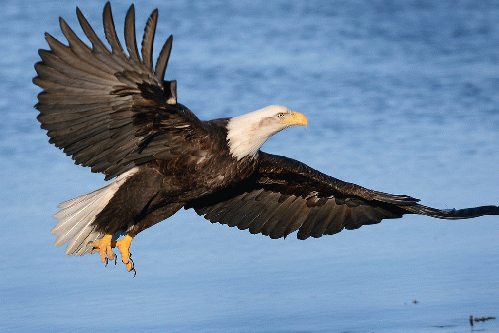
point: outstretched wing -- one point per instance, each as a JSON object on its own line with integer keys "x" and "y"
{"x": 286, "y": 195}
{"x": 106, "y": 109}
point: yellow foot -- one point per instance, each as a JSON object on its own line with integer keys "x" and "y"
{"x": 124, "y": 246}
{"x": 105, "y": 245}
{"x": 104, "y": 248}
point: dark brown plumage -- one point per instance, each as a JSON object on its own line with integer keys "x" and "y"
{"x": 114, "y": 113}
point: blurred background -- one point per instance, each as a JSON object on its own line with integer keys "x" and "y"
{"x": 401, "y": 97}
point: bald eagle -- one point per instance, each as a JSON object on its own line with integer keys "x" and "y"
{"x": 115, "y": 113}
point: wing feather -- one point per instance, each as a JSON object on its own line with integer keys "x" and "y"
{"x": 148, "y": 39}
{"x": 285, "y": 220}
{"x": 112, "y": 37}
{"x": 82, "y": 51}
{"x": 130, "y": 37}
{"x": 285, "y": 196}
{"x": 47, "y": 75}
{"x": 279, "y": 211}
{"x": 51, "y": 60}
{"x": 162, "y": 62}
{"x": 99, "y": 50}
{"x": 269, "y": 206}
{"x": 74, "y": 60}
{"x": 109, "y": 110}
{"x": 330, "y": 213}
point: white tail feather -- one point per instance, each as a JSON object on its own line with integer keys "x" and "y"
{"x": 76, "y": 217}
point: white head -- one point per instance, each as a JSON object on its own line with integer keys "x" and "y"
{"x": 247, "y": 133}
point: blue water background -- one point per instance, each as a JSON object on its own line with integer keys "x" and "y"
{"x": 401, "y": 97}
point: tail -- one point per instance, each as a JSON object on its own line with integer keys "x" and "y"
{"x": 76, "y": 217}
{"x": 452, "y": 214}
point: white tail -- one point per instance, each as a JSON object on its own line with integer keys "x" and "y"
{"x": 76, "y": 217}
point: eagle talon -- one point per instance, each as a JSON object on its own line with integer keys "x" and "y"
{"x": 132, "y": 266}
{"x": 129, "y": 265}
{"x": 115, "y": 261}
{"x": 124, "y": 246}
{"x": 104, "y": 247}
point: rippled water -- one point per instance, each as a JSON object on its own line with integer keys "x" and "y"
{"x": 401, "y": 97}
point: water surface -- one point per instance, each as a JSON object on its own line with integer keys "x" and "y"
{"x": 400, "y": 97}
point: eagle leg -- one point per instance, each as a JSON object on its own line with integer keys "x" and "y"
{"x": 104, "y": 247}
{"x": 124, "y": 246}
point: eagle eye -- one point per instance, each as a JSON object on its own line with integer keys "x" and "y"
{"x": 280, "y": 115}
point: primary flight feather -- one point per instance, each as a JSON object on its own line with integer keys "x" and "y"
{"x": 113, "y": 112}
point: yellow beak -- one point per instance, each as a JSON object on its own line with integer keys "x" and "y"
{"x": 295, "y": 118}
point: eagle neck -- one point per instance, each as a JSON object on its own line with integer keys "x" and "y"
{"x": 245, "y": 137}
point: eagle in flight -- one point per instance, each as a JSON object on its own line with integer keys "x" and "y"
{"x": 113, "y": 111}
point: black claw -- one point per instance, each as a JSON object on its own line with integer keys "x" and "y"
{"x": 107, "y": 261}
{"x": 133, "y": 266}
{"x": 115, "y": 260}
